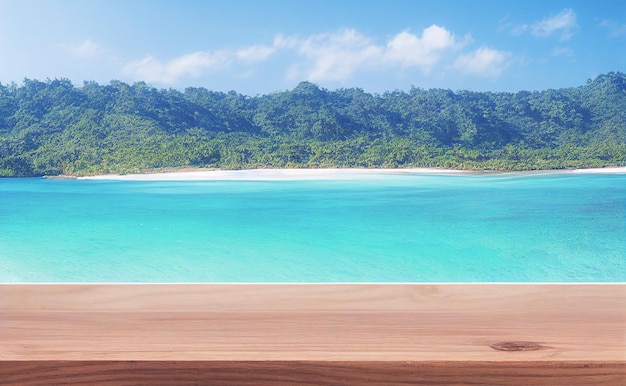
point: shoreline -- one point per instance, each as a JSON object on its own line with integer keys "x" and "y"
{"x": 271, "y": 174}
{"x": 188, "y": 174}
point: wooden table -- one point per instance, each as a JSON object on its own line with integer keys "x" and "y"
{"x": 341, "y": 334}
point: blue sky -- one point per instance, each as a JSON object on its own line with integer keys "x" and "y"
{"x": 258, "y": 47}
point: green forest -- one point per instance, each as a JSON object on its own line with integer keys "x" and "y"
{"x": 53, "y": 127}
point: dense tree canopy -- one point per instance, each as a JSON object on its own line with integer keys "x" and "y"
{"x": 54, "y": 127}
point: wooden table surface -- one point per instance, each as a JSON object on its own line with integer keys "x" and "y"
{"x": 312, "y": 333}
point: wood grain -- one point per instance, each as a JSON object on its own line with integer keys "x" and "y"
{"x": 316, "y": 334}
{"x": 309, "y": 373}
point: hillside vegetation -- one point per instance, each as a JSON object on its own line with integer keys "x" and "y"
{"x": 55, "y": 127}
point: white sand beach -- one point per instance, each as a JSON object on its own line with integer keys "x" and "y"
{"x": 313, "y": 174}
{"x": 272, "y": 174}
{"x": 615, "y": 170}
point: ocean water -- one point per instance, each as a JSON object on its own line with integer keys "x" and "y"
{"x": 387, "y": 228}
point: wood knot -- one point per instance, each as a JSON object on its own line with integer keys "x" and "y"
{"x": 516, "y": 346}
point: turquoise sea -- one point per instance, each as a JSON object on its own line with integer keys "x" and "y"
{"x": 386, "y": 228}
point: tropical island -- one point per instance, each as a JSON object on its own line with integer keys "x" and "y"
{"x": 55, "y": 128}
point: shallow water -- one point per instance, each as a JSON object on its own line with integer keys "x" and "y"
{"x": 388, "y": 228}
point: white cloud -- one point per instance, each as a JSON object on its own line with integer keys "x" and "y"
{"x": 337, "y": 56}
{"x": 191, "y": 65}
{"x": 409, "y": 50}
{"x": 194, "y": 65}
{"x": 333, "y": 56}
{"x": 84, "y": 50}
{"x": 563, "y": 22}
{"x": 483, "y": 62}
{"x": 256, "y": 53}
{"x": 285, "y": 42}
{"x": 329, "y": 57}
